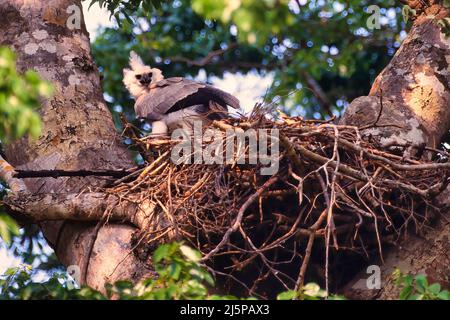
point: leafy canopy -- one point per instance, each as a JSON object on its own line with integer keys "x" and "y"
{"x": 296, "y": 42}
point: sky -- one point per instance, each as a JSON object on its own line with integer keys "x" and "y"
{"x": 248, "y": 88}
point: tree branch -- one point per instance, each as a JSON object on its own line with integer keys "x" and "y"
{"x": 7, "y": 173}
{"x": 91, "y": 206}
{"x": 20, "y": 174}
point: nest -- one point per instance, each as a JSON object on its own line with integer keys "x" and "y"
{"x": 337, "y": 199}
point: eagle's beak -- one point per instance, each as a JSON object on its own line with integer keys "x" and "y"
{"x": 146, "y": 79}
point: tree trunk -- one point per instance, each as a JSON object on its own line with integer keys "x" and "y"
{"x": 408, "y": 105}
{"x": 415, "y": 93}
{"x": 78, "y": 133}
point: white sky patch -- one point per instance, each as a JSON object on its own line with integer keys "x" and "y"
{"x": 8, "y": 260}
{"x": 96, "y": 17}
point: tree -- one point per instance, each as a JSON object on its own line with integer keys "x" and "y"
{"x": 78, "y": 131}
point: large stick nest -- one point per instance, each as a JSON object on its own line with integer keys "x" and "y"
{"x": 336, "y": 200}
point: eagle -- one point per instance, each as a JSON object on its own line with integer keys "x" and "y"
{"x": 173, "y": 102}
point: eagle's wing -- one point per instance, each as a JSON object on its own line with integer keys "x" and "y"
{"x": 172, "y": 94}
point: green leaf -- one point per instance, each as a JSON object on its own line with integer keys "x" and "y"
{"x": 408, "y": 280}
{"x": 156, "y": 3}
{"x": 175, "y": 271}
{"x": 287, "y": 295}
{"x": 209, "y": 279}
{"x": 416, "y": 297}
{"x": 20, "y": 95}
{"x": 408, "y": 13}
{"x": 8, "y": 228}
{"x": 11, "y": 271}
{"x": 313, "y": 290}
{"x": 190, "y": 254}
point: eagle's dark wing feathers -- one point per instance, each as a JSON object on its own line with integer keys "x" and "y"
{"x": 174, "y": 94}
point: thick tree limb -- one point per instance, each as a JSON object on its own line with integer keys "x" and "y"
{"x": 90, "y": 206}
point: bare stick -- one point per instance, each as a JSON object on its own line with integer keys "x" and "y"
{"x": 235, "y": 226}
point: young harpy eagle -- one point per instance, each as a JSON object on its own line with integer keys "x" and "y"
{"x": 174, "y": 102}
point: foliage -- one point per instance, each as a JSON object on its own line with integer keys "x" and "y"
{"x": 8, "y": 228}
{"x": 18, "y": 284}
{"x": 180, "y": 276}
{"x": 119, "y": 8}
{"x": 408, "y": 13}
{"x": 418, "y": 288}
{"x": 444, "y": 24}
{"x": 310, "y": 291}
{"x": 19, "y": 97}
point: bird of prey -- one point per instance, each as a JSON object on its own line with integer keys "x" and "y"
{"x": 173, "y": 102}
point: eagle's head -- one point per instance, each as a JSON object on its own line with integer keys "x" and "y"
{"x": 138, "y": 79}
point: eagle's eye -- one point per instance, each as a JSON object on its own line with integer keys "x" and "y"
{"x": 139, "y": 76}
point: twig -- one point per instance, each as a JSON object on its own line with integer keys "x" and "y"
{"x": 235, "y": 226}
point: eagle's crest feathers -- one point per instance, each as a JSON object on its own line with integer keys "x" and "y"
{"x": 138, "y": 67}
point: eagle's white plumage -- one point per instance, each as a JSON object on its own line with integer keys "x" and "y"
{"x": 138, "y": 67}
{"x": 174, "y": 102}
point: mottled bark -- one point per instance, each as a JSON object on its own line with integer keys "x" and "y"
{"x": 415, "y": 93}
{"x": 78, "y": 132}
